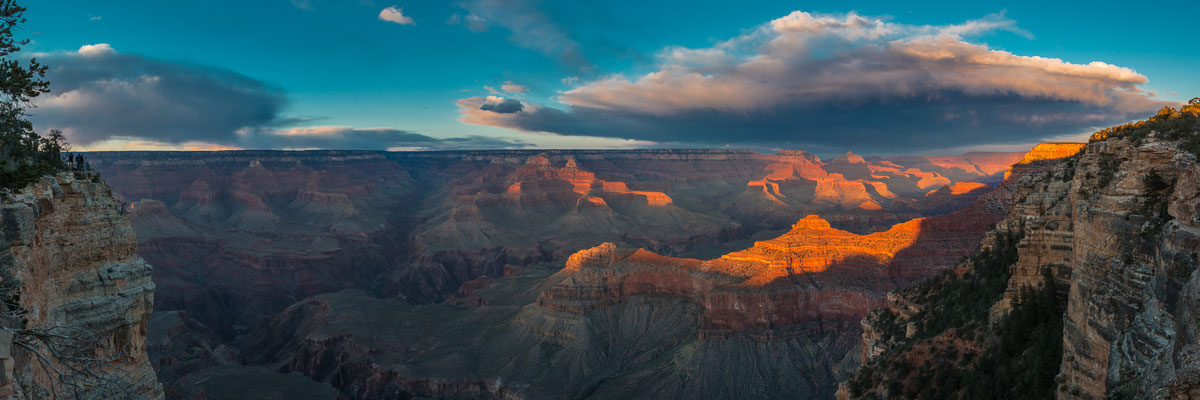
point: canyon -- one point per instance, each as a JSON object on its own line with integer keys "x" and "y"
{"x": 333, "y": 270}
{"x": 616, "y": 274}
{"x": 240, "y": 235}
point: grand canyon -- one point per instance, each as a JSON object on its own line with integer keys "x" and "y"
{"x": 528, "y": 200}
{"x": 661, "y": 253}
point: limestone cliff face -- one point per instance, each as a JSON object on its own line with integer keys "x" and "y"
{"x": 1133, "y": 297}
{"x": 1116, "y": 229}
{"x": 68, "y": 245}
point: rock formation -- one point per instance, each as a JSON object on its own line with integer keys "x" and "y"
{"x": 239, "y": 236}
{"x": 78, "y": 297}
{"x": 618, "y": 322}
{"x": 1087, "y": 289}
{"x": 263, "y": 229}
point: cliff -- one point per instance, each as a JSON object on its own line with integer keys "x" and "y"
{"x": 1087, "y": 289}
{"x": 78, "y": 297}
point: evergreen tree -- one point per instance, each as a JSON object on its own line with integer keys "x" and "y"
{"x": 24, "y": 155}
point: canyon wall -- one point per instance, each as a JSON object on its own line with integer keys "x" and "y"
{"x": 1087, "y": 289}
{"x": 77, "y": 296}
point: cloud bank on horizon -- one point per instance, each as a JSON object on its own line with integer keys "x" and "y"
{"x": 99, "y": 95}
{"x": 840, "y": 81}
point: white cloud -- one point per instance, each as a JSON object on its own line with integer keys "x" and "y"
{"x": 395, "y": 14}
{"x": 838, "y": 79}
{"x": 806, "y": 58}
{"x": 98, "y": 49}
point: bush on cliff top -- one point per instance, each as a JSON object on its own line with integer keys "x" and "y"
{"x": 1170, "y": 124}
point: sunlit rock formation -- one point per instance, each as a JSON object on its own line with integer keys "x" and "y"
{"x": 239, "y": 236}
{"x": 620, "y": 322}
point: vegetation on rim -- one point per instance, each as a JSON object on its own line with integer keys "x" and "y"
{"x": 77, "y": 361}
{"x": 25, "y": 156}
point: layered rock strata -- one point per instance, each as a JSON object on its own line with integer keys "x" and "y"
{"x": 1115, "y": 229}
{"x": 79, "y": 295}
{"x": 239, "y": 236}
{"x": 616, "y": 322}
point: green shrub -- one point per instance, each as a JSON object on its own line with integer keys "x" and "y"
{"x": 1181, "y": 125}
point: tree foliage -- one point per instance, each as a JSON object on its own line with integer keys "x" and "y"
{"x": 25, "y": 156}
{"x": 963, "y": 301}
{"x": 74, "y": 359}
{"x": 1026, "y": 354}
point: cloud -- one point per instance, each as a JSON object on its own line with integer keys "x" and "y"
{"x": 529, "y": 26}
{"x": 475, "y": 24}
{"x": 97, "y": 93}
{"x": 95, "y": 18}
{"x": 394, "y": 14}
{"x": 511, "y": 87}
{"x": 105, "y": 99}
{"x": 342, "y": 137}
{"x": 500, "y": 105}
{"x": 92, "y": 50}
{"x": 842, "y": 81}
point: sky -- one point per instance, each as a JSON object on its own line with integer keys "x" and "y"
{"x": 827, "y": 76}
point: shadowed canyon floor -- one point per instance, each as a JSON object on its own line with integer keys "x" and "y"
{"x": 441, "y": 274}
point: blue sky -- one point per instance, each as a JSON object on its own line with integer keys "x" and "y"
{"x": 338, "y": 64}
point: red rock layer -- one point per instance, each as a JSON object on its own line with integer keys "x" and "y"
{"x": 812, "y": 273}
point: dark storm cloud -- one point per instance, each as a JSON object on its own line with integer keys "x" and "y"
{"x": 501, "y": 106}
{"x": 97, "y": 93}
{"x": 843, "y": 81}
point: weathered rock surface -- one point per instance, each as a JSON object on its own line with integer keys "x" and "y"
{"x": 1133, "y": 287}
{"x": 1117, "y": 228}
{"x": 68, "y": 247}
